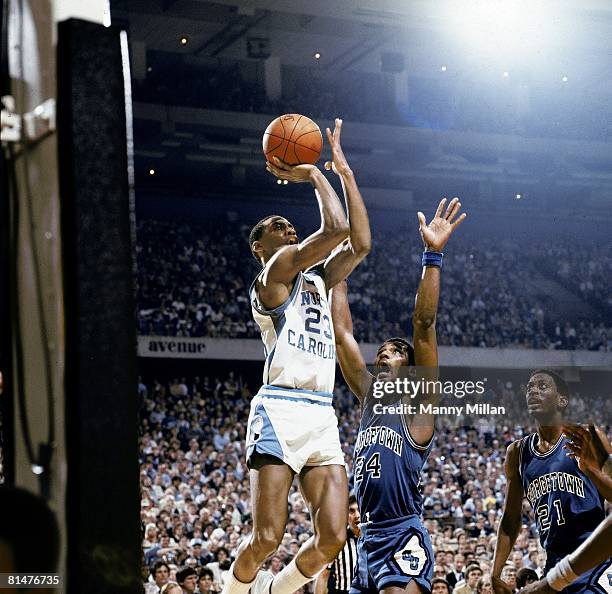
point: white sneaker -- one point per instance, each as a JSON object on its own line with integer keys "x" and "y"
{"x": 263, "y": 583}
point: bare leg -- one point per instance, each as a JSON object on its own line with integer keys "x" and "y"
{"x": 270, "y": 486}
{"x": 325, "y": 489}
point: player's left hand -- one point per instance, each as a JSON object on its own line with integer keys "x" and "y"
{"x": 584, "y": 446}
{"x": 541, "y": 587}
{"x": 339, "y": 165}
{"x": 437, "y": 232}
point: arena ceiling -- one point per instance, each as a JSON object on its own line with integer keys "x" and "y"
{"x": 353, "y": 35}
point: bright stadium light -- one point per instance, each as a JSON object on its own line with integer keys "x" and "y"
{"x": 502, "y": 28}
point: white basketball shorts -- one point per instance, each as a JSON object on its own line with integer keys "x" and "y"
{"x": 299, "y": 427}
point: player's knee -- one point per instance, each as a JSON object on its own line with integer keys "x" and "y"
{"x": 264, "y": 542}
{"x": 331, "y": 542}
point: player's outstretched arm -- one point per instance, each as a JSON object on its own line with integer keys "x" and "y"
{"x": 510, "y": 524}
{"x": 287, "y": 262}
{"x": 593, "y": 551}
{"x": 435, "y": 236}
{"x": 344, "y": 260}
{"x": 591, "y": 448}
{"x": 350, "y": 358}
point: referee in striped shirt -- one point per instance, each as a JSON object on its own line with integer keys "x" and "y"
{"x": 336, "y": 578}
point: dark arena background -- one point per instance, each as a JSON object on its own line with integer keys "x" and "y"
{"x": 132, "y": 174}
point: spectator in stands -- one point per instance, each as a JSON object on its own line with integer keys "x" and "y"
{"x": 440, "y": 586}
{"x": 160, "y": 575}
{"x": 473, "y": 573}
{"x": 484, "y": 585}
{"x": 206, "y": 583}
{"x": 187, "y": 579}
{"x": 525, "y": 576}
{"x": 456, "y": 573}
{"x": 508, "y": 575}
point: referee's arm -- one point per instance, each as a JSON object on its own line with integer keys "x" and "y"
{"x": 321, "y": 582}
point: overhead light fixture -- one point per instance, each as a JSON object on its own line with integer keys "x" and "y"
{"x": 151, "y": 171}
{"x": 317, "y": 55}
{"x": 443, "y": 68}
{"x": 506, "y": 74}
{"x": 184, "y": 40}
{"x": 279, "y": 181}
{"x": 518, "y": 196}
{"x": 502, "y": 29}
{"x": 564, "y": 79}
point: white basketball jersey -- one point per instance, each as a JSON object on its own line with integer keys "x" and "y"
{"x": 298, "y": 336}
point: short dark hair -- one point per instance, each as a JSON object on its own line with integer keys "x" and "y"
{"x": 205, "y": 572}
{"x": 157, "y": 565}
{"x": 560, "y": 383}
{"x": 403, "y": 345}
{"x": 23, "y": 514}
{"x": 523, "y": 574}
{"x": 184, "y": 573}
{"x": 472, "y": 567}
{"x": 440, "y": 581}
{"x": 257, "y": 232}
{"x": 352, "y": 499}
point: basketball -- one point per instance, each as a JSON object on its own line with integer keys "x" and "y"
{"x": 293, "y": 138}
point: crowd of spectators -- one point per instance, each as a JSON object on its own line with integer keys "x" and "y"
{"x": 195, "y": 506}
{"x": 593, "y": 282}
{"x": 193, "y": 280}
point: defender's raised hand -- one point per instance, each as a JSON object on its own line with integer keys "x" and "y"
{"x": 437, "y": 232}
{"x": 293, "y": 173}
{"x": 585, "y": 446}
{"x": 339, "y": 165}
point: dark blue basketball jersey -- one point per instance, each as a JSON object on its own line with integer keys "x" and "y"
{"x": 565, "y": 501}
{"x": 387, "y": 466}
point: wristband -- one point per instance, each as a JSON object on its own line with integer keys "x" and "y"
{"x": 561, "y": 575}
{"x": 431, "y": 258}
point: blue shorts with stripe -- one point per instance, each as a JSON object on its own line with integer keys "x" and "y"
{"x": 393, "y": 553}
{"x": 299, "y": 427}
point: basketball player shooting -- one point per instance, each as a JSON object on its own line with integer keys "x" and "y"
{"x": 565, "y": 499}
{"x": 292, "y": 427}
{"x": 394, "y": 552}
